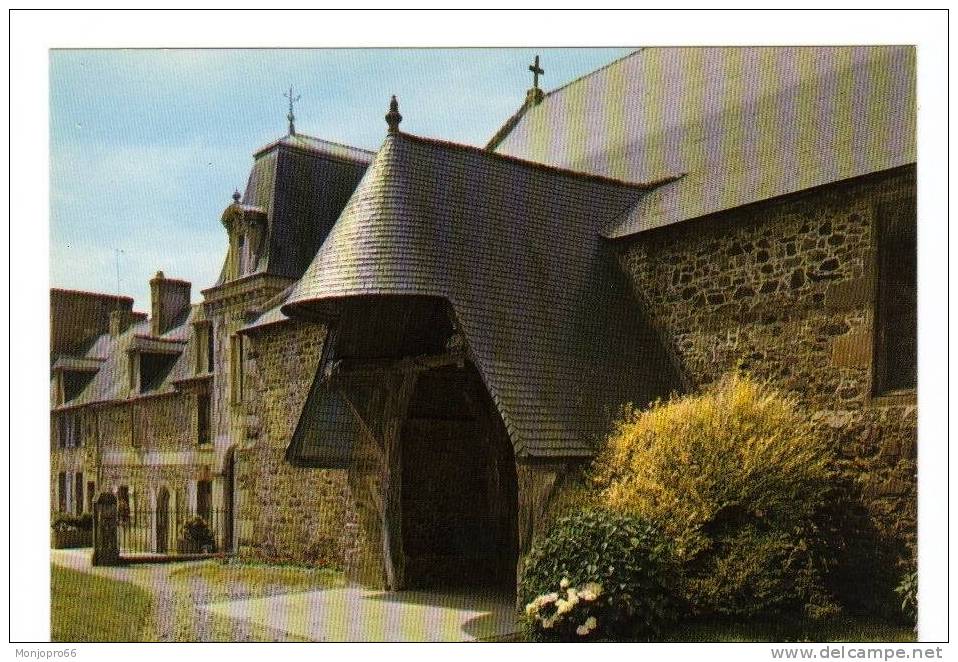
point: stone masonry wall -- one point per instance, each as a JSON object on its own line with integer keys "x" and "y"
{"x": 141, "y": 443}
{"x": 300, "y": 514}
{"x": 786, "y": 290}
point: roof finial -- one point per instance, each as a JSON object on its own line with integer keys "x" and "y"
{"x": 236, "y": 196}
{"x": 290, "y": 116}
{"x": 535, "y": 95}
{"x": 393, "y": 118}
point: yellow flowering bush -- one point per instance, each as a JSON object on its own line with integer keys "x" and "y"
{"x": 738, "y": 479}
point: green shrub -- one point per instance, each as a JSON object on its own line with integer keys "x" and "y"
{"x": 196, "y": 537}
{"x": 597, "y": 574}
{"x": 739, "y": 480}
{"x": 68, "y": 522}
{"x": 907, "y": 590}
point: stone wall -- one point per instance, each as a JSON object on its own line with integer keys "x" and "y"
{"x": 143, "y": 444}
{"x": 787, "y": 291}
{"x": 291, "y": 513}
{"x": 165, "y": 423}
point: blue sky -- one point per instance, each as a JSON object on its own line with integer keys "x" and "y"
{"x": 146, "y": 146}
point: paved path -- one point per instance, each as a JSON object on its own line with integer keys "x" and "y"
{"x": 184, "y": 612}
{"x": 357, "y": 614}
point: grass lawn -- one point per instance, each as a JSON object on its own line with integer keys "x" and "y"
{"x": 231, "y": 581}
{"x": 85, "y": 607}
{"x": 831, "y": 631}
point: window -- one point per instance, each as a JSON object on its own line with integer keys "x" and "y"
{"x": 201, "y": 332}
{"x": 62, "y": 491}
{"x": 78, "y": 493}
{"x": 153, "y": 369}
{"x": 236, "y": 369}
{"x": 203, "y": 419}
{"x": 74, "y": 382}
{"x": 69, "y": 431}
{"x": 241, "y": 255}
{"x": 90, "y": 495}
{"x": 896, "y": 355}
{"x": 209, "y": 349}
{"x": 204, "y": 348}
{"x": 204, "y": 500}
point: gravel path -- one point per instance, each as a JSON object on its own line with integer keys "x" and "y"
{"x": 178, "y": 601}
{"x": 212, "y": 601}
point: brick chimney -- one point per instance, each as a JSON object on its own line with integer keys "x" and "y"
{"x": 170, "y": 301}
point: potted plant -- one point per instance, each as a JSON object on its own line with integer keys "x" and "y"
{"x": 70, "y": 531}
{"x": 196, "y": 537}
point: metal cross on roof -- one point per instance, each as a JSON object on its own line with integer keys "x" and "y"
{"x": 290, "y": 116}
{"x": 536, "y": 72}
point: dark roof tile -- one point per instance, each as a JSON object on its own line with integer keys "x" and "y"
{"x": 743, "y": 124}
{"x": 515, "y": 248}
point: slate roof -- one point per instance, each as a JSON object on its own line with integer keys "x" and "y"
{"x": 77, "y": 364}
{"x": 515, "y": 248}
{"x": 112, "y": 380}
{"x": 300, "y": 183}
{"x": 741, "y": 124}
{"x": 271, "y": 312}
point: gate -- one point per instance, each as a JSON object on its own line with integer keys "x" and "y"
{"x": 164, "y": 530}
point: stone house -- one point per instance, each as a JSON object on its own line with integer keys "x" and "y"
{"x": 150, "y": 408}
{"x": 408, "y": 350}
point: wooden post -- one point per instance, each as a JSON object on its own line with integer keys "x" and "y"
{"x": 106, "y": 548}
{"x": 383, "y": 440}
{"x": 393, "y": 417}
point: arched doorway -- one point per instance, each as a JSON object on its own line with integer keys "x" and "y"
{"x": 459, "y": 502}
{"x": 162, "y": 521}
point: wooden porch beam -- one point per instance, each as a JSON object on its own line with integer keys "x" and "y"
{"x": 412, "y": 364}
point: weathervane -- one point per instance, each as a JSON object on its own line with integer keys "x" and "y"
{"x": 290, "y": 116}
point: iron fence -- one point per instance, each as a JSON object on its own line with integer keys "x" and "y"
{"x": 173, "y": 531}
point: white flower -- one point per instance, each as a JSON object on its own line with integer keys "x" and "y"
{"x": 587, "y": 627}
{"x": 531, "y": 608}
{"x": 547, "y": 599}
{"x": 572, "y": 596}
{"x": 590, "y": 591}
{"x": 562, "y": 606}
{"x": 547, "y": 623}
{"x": 564, "y": 584}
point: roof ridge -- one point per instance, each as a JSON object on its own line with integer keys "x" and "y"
{"x": 595, "y": 71}
{"x": 65, "y": 290}
{"x": 499, "y": 136}
{"x": 331, "y": 143}
{"x": 537, "y": 165}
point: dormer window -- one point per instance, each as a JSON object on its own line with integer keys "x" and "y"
{"x": 151, "y": 360}
{"x": 73, "y": 383}
{"x": 246, "y": 226}
{"x": 241, "y": 257}
{"x": 71, "y": 376}
{"x": 153, "y": 370}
